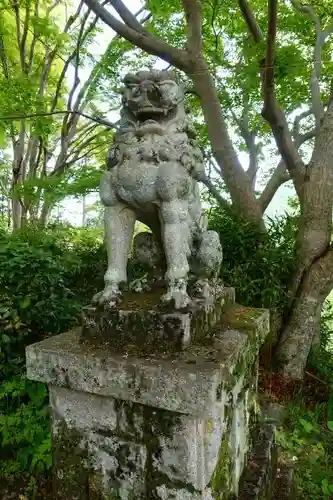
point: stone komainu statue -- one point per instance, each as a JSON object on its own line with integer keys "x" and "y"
{"x": 153, "y": 169}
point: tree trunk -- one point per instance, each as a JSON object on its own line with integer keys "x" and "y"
{"x": 238, "y": 183}
{"x": 45, "y": 214}
{"x": 302, "y": 327}
{"x": 16, "y": 213}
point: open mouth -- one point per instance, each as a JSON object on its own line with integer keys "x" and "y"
{"x": 150, "y": 113}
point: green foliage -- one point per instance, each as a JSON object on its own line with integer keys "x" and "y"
{"x": 307, "y": 441}
{"x": 258, "y": 265}
{"x": 306, "y": 437}
{"x": 25, "y": 438}
{"x": 46, "y": 277}
{"x": 321, "y": 359}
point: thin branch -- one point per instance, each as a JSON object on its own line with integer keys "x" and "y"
{"x": 61, "y": 78}
{"x": 297, "y": 121}
{"x": 311, "y": 134}
{"x": 84, "y": 155}
{"x": 272, "y": 111}
{"x": 193, "y": 13}
{"x": 249, "y": 138}
{"x": 25, "y": 34}
{"x": 76, "y": 55}
{"x": 127, "y": 16}
{"x": 321, "y": 36}
{"x": 79, "y": 148}
{"x": 34, "y": 38}
{"x": 100, "y": 121}
{"x": 280, "y": 174}
{"x": 3, "y": 57}
{"x": 279, "y": 177}
{"x": 251, "y": 21}
{"x": 83, "y": 133}
{"x": 215, "y": 192}
{"x": 52, "y": 6}
{"x": 16, "y": 9}
{"x": 147, "y": 42}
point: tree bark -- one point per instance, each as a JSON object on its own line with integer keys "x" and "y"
{"x": 16, "y": 213}
{"x": 238, "y": 183}
{"x": 302, "y": 327}
{"x": 45, "y": 214}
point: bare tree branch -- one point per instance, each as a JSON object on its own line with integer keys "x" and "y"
{"x": 24, "y": 36}
{"x": 82, "y": 133}
{"x": 69, "y": 23}
{"x": 148, "y": 42}
{"x": 78, "y": 157}
{"x": 273, "y": 113}
{"x": 3, "y": 58}
{"x": 193, "y": 13}
{"x": 311, "y": 134}
{"x": 321, "y": 36}
{"x": 279, "y": 177}
{"x": 100, "y": 121}
{"x": 297, "y": 121}
{"x": 74, "y": 155}
{"x": 215, "y": 192}
{"x": 280, "y": 174}
{"x": 251, "y": 21}
{"x": 34, "y": 39}
{"x": 249, "y": 137}
{"x": 127, "y": 16}
{"x": 237, "y": 181}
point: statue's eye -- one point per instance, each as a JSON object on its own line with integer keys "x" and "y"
{"x": 154, "y": 95}
{"x": 136, "y": 92}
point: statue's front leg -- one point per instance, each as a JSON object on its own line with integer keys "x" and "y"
{"x": 119, "y": 228}
{"x": 175, "y": 232}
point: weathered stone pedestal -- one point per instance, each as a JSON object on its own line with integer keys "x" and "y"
{"x": 170, "y": 425}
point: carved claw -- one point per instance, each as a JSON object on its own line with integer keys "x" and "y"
{"x": 202, "y": 289}
{"x": 110, "y": 295}
{"x": 181, "y": 300}
{"x": 177, "y": 294}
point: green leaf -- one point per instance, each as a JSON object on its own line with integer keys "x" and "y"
{"x": 307, "y": 426}
{"x": 25, "y": 302}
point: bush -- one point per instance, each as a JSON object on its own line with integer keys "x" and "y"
{"x": 46, "y": 277}
{"x": 307, "y": 441}
{"x": 306, "y": 438}
{"x": 258, "y": 265}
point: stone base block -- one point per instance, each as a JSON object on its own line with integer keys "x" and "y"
{"x": 171, "y": 426}
{"x": 141, "y": 326}
{"x": 258, "y": 479}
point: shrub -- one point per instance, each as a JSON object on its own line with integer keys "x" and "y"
{"x": 46, "y": 276}
{"x": 307, "y": 441}
{"x": 258, "y": 265}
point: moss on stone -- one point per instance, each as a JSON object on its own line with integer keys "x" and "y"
{"x": 220, "y": 481}
{"x": 243, "y": 317}
{"x": 70, "y": 477}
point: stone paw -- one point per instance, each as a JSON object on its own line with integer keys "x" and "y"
{"x": 110, "y": 296}
{"x": 176, "y": 299}
{"x": 202, "y": 289}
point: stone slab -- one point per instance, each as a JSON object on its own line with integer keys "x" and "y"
{"x": 191, "y": 381}
{"x": 140, "y": 322}
{"x": 259, "y": 475}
